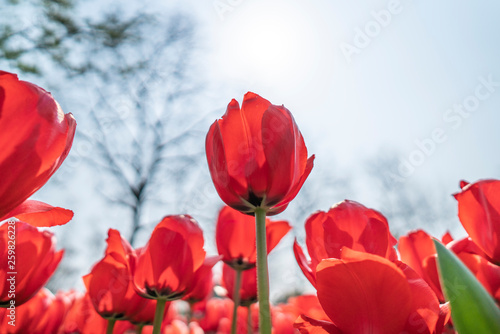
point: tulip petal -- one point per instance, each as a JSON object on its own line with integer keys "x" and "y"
{"x": 278, "y": 137}
{"x": 191, "y": 231}
{"x": 40, "y": 214}
{"x": 304, "y": 265}
{"x": 487, "y": 273}
{"x": 228, "y": 188}
{"x": 116, "y": 244}
{"x": 446, "y": 238}
{"x": 315, "y": 237}
{"x": 234, "y": 138}
{"x": 479, "y": 213}
{"x": 357, "y": 227}
{"x": 307, "y": 325}
{"x": 363, "y": 293}
{"x": 275, "y": 231}
{"x": 281, "y": 206}
{"x": 257, "y": 169}
{"x": 429, "y": 268}
{"x": 202, "y": 281}
{"x": 425, "y": 312}
{"x": 414, "y": 248}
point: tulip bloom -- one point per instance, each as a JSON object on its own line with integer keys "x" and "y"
{"x": 31, "y": 254}
{"x": 258, "y": 163}
{"x": 486, "y": 271}
{"x": 216, "y": 310}
{"x": 257, "y": 156}
{"x": 166, "y": 266}
{"x": 366, "y": 293}
{"x": 235, "y": 237}
{"x": 110, "y": 285}
{"x": 347, "y": 224}
{"x": 202, "y": 281}
{"x": 417, "y": 250}
{"x": 36, "y": 138}
{"x": 248, "y": 288}
{"x": 479, "y": 213}
{"x": 82, "y": 318}
{"x": 43, "y": 313}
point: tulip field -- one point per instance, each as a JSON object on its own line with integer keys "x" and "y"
{"x": 366, "y": 280}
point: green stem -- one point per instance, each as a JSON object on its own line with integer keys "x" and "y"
{"x": 249, "y": 320}
{"x": 111, "y": 325}
{"x": 262, "y": 275}
{"x": 160, "y": 308}
{"x": 236, "y": 299}
{"x": 139, "y": 329}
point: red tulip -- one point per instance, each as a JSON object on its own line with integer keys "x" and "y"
{"x": 166, "y": 266}
{"x": 202, "y": 281}
{"x": 417, "y": 250}
{"x": 366, "y": 293}
{"x": 179, "y": 327}
{"x": 248, "y": 289}
{"x": 235, "y": 237}
{"x": 283, "y": 321}
{"x": 479, "y": 213}
{"x": 36, "y": 138}
{"x": 82, "y": 318}
{"x": 52, "y": 318}
{"x": 347, "y": 224}
{"x": 425, "y": 308}
{"x": 41, "y": 314}
{"x": 257, "y": 156}
{"x": 110, "y": 285}
{"x": 146, "y": 315}
{"x": 486, "y": 272}
{"x": 28, "y": 259}
{"x": 216, "y": 309}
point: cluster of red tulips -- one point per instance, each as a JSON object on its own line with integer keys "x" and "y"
{"x": 258, "y": 162}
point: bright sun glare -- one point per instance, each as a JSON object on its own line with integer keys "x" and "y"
{"x": 274, "y": 44}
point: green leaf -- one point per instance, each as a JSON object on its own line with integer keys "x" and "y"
{"x": 473, "y": 310}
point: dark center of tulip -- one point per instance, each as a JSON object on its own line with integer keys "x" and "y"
{"x": 254, "y": 199}
{"x": 166, "y": 292}
{"x": 240, "y": 263}
{"x": 115, "y": 316}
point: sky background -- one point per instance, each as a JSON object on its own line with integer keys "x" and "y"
{"x": 408, "y": 64}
